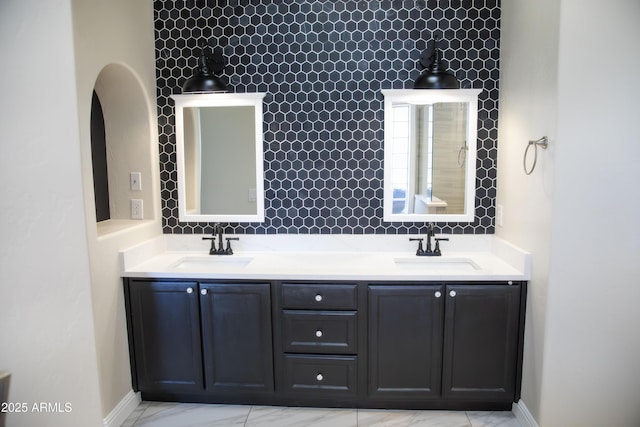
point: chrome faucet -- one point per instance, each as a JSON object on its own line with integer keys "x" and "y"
{"x": 428, "y": 251}
{"x": 218, "y": 234}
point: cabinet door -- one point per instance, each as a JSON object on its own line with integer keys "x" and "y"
{"x": 165, "y": 327}
{"x": 481, "y": 342}
{"x": 236, "y": 330}
{"x": 405, "y": 342}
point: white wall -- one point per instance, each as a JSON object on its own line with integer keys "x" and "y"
{"x": 128, "y": 126}
{"x": 577, "y": 212}
{"x": 528, "y": 74}
{"x": 592, "y": 345}
{"x": 105, "y": 33}
{"x": 63, "y": 331}
{"x": 46, "y": 325}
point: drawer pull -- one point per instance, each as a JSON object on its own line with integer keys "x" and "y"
{"x": 319, "y": 377}
{"x": 203, "y": 291}
{"x": 189, "y": 290}
{"x": 438, "y": 294}
{"x": 318, "y": 297}
{"x": 318, "y": 333}
{"x": 452, "y": 293}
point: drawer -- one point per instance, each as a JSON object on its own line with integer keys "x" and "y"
{"x": 330, "y": 375}
{"x": 332, "y": 332}
{"x": 319, "y": 296}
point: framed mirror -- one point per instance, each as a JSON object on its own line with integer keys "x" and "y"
{"x": 219, "y": 157}
{"x": 430, "y": 154}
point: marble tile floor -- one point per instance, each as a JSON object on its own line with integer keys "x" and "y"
{"x": 163, "y": 414}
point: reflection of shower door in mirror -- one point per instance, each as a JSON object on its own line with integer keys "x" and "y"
{"x": 430, "y": 140}
{"x": 449, "y": 128}
{"x": 426, "y": 145}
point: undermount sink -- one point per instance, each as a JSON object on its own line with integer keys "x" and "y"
{"x": 435, "y": 263}
{"x": 212, "y": 262}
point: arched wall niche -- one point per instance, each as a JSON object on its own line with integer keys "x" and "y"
{"x": 128, "y": 139}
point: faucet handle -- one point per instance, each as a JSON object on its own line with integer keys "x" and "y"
{"x": 228, "y": 250}
{"x": 212, "y": 251}
{"x": 436, "y": 250}
{"x": 420, "y": 250}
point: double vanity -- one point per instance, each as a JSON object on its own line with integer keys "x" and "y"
{"x": 355, "y": 320}
{"x": 333, "y": 320}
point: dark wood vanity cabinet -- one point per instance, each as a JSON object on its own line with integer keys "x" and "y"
{"x": 164, "y": 337}
{"x": 405, "y": 342}
{"x": 318, "y": 336}
{"x": 236, "y": 337}
{"x": 448, "y": 344}
{"x": 378, "y": 344}
{"x": 481, "y": 341}
{"x": 193, "y": 339}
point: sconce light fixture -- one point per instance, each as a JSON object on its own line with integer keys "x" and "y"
{"x": 435, "y": 75}
{"x": 205, "y": 76}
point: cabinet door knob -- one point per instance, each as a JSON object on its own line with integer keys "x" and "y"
{"x": 318, "y": 297}
{"x": 189, "y": 290}
{"x": 203, "y": 291}
{"x": 438, "y": 294}
{"x": 318, "y": 333}
{"x": 319, "y": 377}
{"x": 452, "y": 293}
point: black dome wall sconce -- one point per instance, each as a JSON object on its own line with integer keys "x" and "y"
{"x": 206, "y": 76}
{"x": 435, "y": 75}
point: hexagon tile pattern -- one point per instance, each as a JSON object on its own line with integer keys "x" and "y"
{"x": 322, "y": 64}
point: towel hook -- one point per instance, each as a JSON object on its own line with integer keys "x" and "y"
{"x": 542, "y": 142}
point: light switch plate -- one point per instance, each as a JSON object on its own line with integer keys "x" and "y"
{"x": 135, "y": 179}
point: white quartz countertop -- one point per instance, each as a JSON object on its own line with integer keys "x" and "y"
{"x": 368, "y": 258}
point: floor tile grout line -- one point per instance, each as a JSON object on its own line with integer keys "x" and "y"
{"x": 145, "y": 407}
{"x": 466, "y": 414}
{"x": 246, "y": 420}
{"x": 136, "y": 419}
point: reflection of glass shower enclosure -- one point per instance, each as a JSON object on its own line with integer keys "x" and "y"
{"x": 427, "y": 174}
{"x": 449, "y": 154}
{"x": 424, "y": 150}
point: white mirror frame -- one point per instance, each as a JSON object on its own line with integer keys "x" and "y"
{"x": 422, "y": 97}
{"x": 219, "y": 100}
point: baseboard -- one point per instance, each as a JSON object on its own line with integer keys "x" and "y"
{"x": 123, "y": 409}
{"x": 523, "y": 415}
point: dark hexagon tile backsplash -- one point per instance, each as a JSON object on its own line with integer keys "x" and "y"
{"x": 322, "y": 65}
